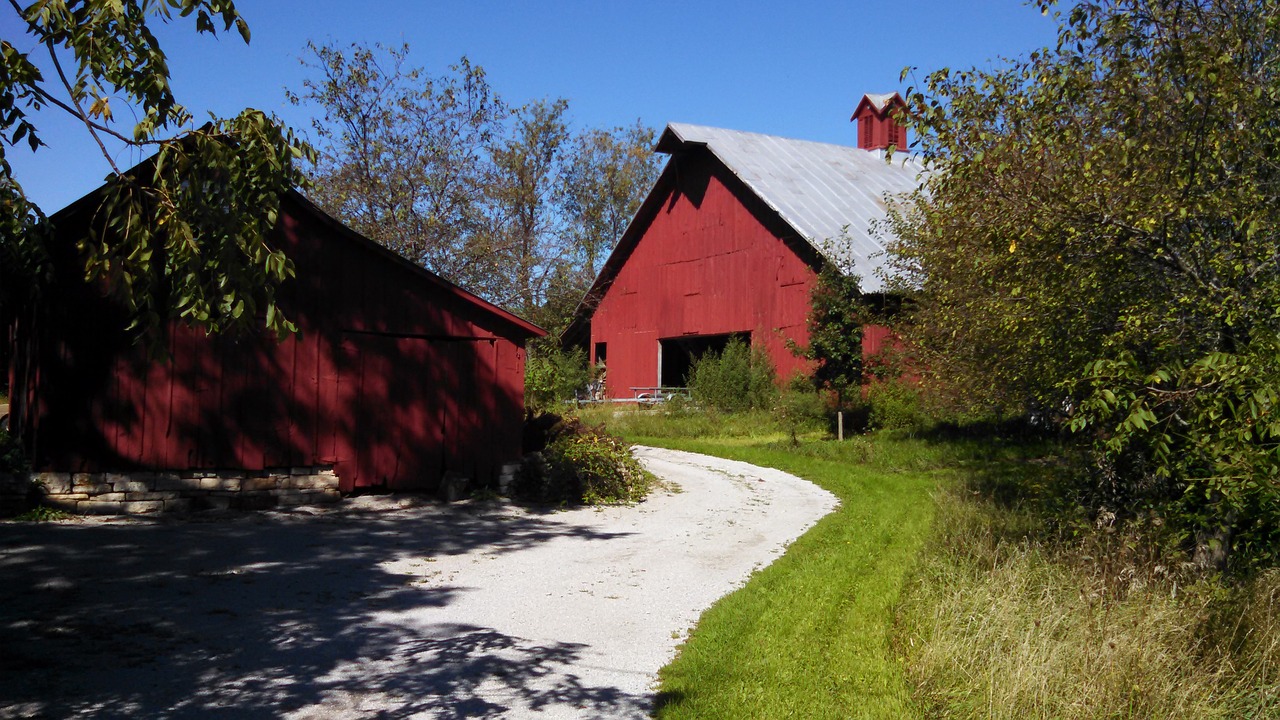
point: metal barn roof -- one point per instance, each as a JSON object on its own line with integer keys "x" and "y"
{"x": 831, "y": 195}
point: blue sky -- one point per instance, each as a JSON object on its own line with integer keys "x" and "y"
{"x": 794, "y": 69}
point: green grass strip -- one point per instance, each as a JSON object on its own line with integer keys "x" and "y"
{"x": 809, "y": 636}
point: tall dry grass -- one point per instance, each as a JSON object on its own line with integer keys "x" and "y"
{"x": 1005, "y": 620}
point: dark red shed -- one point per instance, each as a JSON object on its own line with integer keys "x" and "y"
{"x": 396, "y": 376}
{"x": 729, "y": 242}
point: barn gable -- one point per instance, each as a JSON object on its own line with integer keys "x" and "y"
{"x": 830, "y": 195}
{"x": 395, "y": 378}
{"x": 729, "y": 242}
{"x": 693, "y": 271}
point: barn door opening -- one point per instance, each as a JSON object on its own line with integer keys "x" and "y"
{"x": 676, "y": 355}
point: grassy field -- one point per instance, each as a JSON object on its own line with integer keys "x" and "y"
{"x": 1009, "y": 617}
{"x": 810, "y": 635}
{"x": 940, "y": 589}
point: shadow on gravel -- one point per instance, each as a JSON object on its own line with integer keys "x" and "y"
{"x": 265, "y": 615}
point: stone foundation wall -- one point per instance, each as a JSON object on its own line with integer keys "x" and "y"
{"x": 154, "y": 492}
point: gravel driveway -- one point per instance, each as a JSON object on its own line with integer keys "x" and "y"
{"x": 384, "y": 607}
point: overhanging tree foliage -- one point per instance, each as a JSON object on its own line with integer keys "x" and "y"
{"x": 184, "y": 235}
{"x": 1099, "y": 240}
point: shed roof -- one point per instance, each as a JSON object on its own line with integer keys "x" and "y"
{"x": 831, "y": 195}
{"x": 521, "y": 328}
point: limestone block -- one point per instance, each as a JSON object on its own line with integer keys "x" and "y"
{"x": 150, "y": 496}
{"x": 95, "y": 507}
{"x": 65, "y": 501}
{"x": 220, "y": 483}
{"x": 96, "y": 488}
{"x": 141, "y": 506}
{"x": 53, "y": 482}
{"x": 258, "y": 483}
{"x": 453, "y": 486}
{"x": 175, "y": 481}
{"x": 507, "y": 477}
{"x": 107, "y": 497}
{"x": 179, "y": 505}
{"x": 132, "y": 486}
{"x": 304, "y": 482}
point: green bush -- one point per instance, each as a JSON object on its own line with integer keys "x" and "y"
{"x": 553, "y": 376}
{"x": 735, "y": 379}
{"x": 895, "y": 405}
{"x": 800, "y": 407}
{"x": 837, "y": 314}
{"x": 583, "y": 464}
{"x": 12, "y": 459}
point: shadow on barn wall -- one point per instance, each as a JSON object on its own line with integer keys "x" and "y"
{"x": 395, "y": 377}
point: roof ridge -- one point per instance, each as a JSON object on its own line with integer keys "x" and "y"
{"x": 763, "y": 135}
{"x": 832, "y": 196}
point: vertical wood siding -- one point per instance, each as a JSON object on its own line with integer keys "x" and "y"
{"x": 392, "y": 379}
{"x": 705, "y": 265}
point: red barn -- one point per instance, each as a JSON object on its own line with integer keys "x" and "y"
{"x": 395, "y": 378}
{"x": 729, "y": 242}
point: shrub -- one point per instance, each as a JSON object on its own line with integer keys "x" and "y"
{"x": 735, "y": 379}
{"x": 894, "y": 405}
{"x": 553, "y": 376}
{"x": 837, "y": 314}
{"x": 12, "y": 459}
{"x": 582, "y": 464}
{"x": 800, "y": 407}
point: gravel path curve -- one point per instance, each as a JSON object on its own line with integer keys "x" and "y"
{"x": 387, "y": 607}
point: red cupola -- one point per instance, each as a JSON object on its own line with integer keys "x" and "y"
{"x": 877, "y": 129}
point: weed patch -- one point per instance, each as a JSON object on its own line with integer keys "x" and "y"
{"x": 43, "y": 513}
{"x": 1015, "y": 613}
